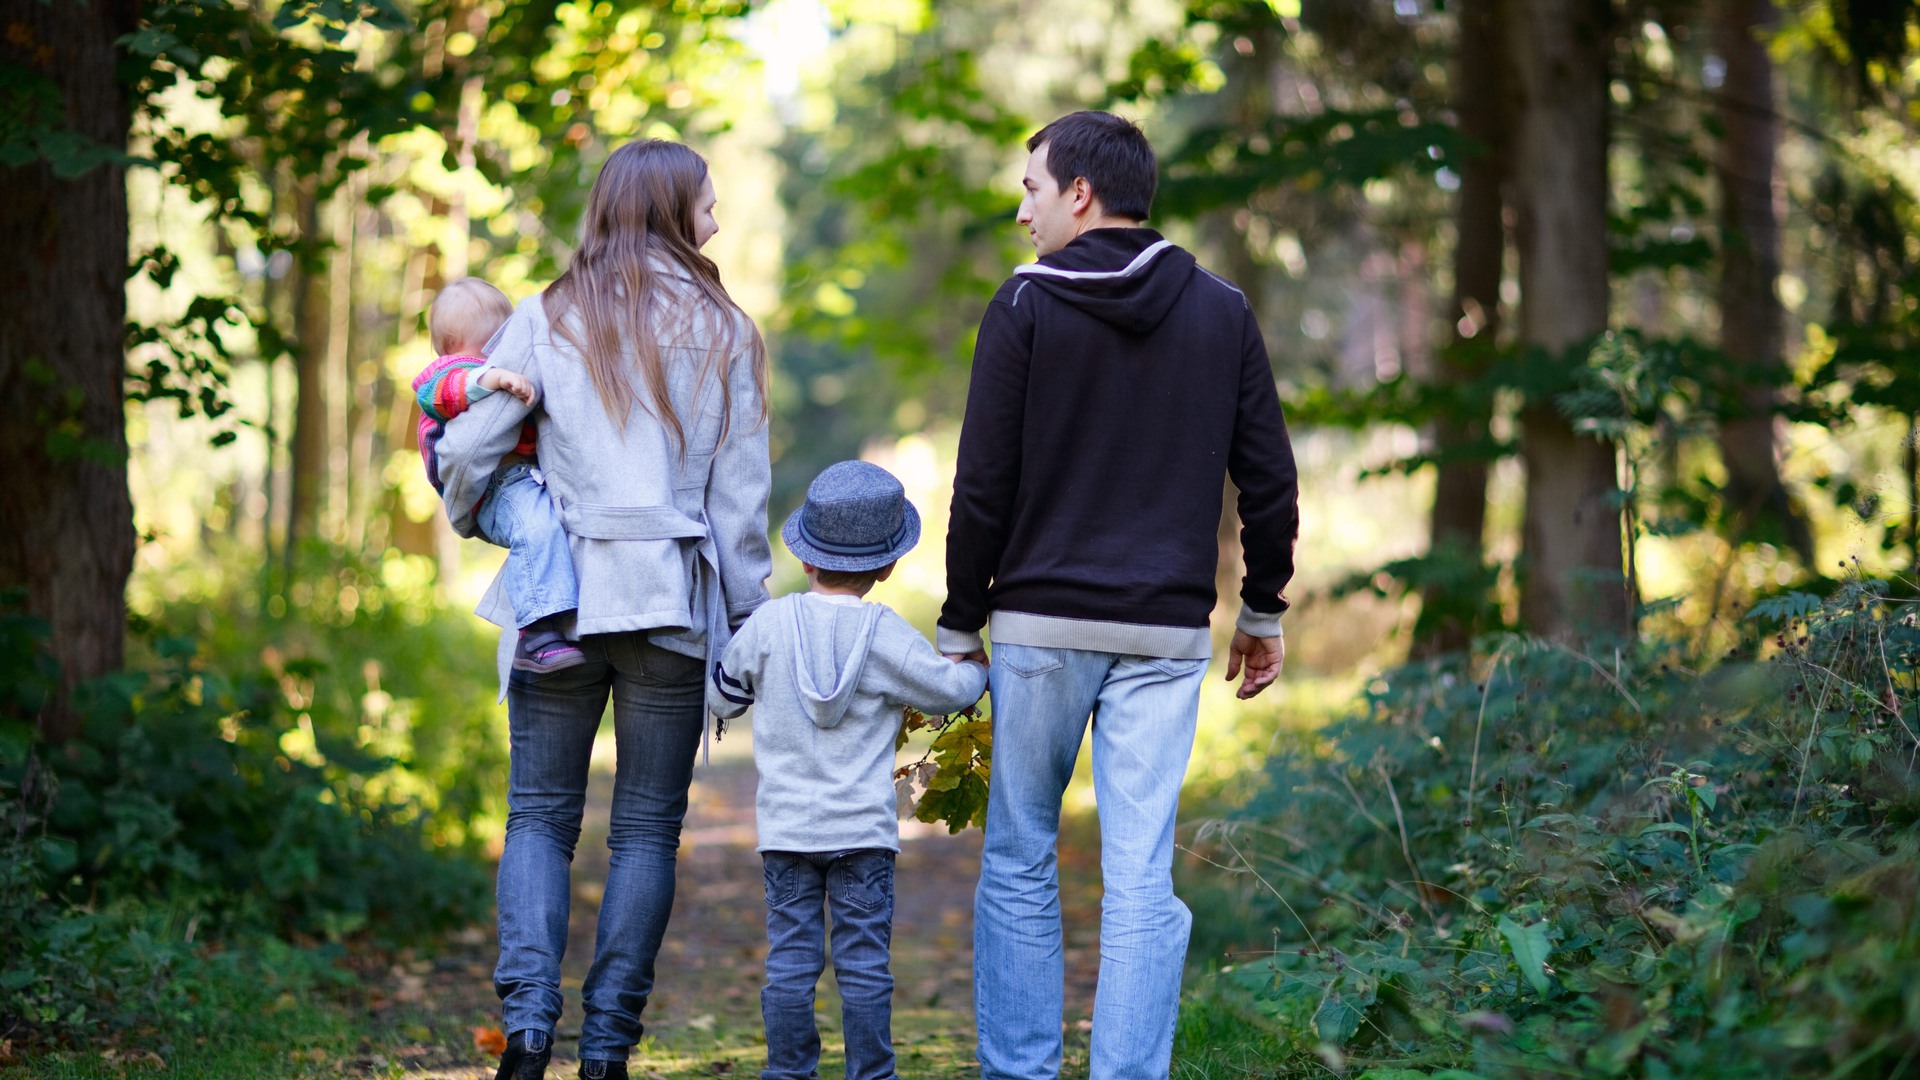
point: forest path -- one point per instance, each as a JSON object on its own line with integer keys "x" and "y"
{"x": 704, "y": 1017}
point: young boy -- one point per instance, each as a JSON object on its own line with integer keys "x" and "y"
{"x": 827, "y": 674}
{"x": 515, "y": 512}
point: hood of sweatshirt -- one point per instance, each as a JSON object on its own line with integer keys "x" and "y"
{"x": 1128, "y": 278}
{"x": 832, "y": 640}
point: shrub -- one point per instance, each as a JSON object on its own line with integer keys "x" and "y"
{"x": 381, "y": 684}
{"x": 1613, "y": 864}
{"x": 141, "y": 863}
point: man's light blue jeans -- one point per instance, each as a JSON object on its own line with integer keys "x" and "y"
{"x": 1143, "y": 712}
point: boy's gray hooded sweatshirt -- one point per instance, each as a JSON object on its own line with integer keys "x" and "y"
{"x": 827, "y": 676}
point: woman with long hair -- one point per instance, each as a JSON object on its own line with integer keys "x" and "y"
{"x": 653, "y": 448}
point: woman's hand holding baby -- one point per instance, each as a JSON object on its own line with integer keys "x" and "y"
{"x": 512, "y": 382}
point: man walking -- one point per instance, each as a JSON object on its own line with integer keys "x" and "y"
{"x": 1115, "y": 385}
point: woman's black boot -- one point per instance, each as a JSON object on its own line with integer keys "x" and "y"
{"x": 603, "y": 1070}
{"x": 526, "y": 1056}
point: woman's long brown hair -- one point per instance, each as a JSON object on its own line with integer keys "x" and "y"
{"x": 642, "y": 205}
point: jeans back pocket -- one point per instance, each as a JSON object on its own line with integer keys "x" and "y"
{"x": 865, "y": 879}
{"x": 1027, "y": 661}
{"x": 782, "y": 881}
{"x": 1174, "y": 668}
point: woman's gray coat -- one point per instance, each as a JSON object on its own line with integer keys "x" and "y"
{"x": 662, "y": 540}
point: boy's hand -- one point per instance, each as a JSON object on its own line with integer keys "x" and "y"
{"x": 512, "y": 382}
{"x": 978, "y": 656}
{"x": 1262, "y": 657}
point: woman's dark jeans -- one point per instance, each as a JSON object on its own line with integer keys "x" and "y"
{"x": 658, "y": 710}
{"x": 856, "y": 887}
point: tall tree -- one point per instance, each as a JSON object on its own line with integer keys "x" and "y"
{"x": 1458, "y": 523}
{"x": 66, "y": 518}
{"x": 1752, "y": 320}
{"x": 1571, "y": 535}
{"x": 308, "y": 464}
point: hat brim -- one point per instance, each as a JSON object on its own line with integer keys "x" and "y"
{"x": 903, "y": 540}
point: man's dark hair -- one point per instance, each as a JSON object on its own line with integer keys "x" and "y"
{"x": 1113, "y": 155}
{"x": 848, "y": 579}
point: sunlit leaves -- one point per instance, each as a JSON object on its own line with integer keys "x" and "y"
{"x": 191, "y": 365}
{"x": 951, "y": 777}
{"x": 334, "y": 18}
{"x": 914, "y": 229}
{"x": 499, "y": 112}
{"x": 1161, "y": 67}
{"x": 1869, "y": 39}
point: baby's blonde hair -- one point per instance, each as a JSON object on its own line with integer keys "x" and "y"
{"x": 465, "y": 315}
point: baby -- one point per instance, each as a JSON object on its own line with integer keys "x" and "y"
{"x": 514, "y": 512}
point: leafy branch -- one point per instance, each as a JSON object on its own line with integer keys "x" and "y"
{"x": 951, "y": 776}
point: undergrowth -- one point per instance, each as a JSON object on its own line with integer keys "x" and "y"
{"x": 197, "y": 846}
{"x": 1566, "y": 863}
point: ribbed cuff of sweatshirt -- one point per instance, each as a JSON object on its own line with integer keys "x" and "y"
{"x": 1258, "y": 624}
{"x": 953, "y": 642}
{"x": 474, "y": 390}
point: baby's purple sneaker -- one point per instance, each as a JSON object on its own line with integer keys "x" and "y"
{"x": 544, "y": 652}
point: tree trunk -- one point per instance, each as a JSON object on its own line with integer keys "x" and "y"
{"x": 1570, "y": 541}
{"x": 66, "y": 518}
{"x": 308, "y": 460}
{"x": 1457, "y": 526}
{"x": 337, "y": 368}
{"x": 1751, "y": 317}
{"x": 1413, "y": 301}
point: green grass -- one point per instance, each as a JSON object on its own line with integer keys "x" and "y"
{"x": 931, "y": 1043}
{"x": 1220, "y": 1034}
{"x": 296, "y": 1035}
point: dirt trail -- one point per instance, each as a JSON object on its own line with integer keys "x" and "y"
{"x": 704, "y": 1018}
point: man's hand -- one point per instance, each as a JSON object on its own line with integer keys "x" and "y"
{"x": 1261, "y": 656}
{"x": 978, "y": 656}
{"x": 512, "y": 382}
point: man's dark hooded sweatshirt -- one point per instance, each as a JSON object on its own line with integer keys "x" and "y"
{"x": 1116, "y": 385}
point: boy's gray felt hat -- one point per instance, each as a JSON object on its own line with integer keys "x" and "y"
{"x": 856, "y": 517}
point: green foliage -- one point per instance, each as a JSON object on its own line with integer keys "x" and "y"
{"x": 379, "y": 685}
{"x": 900, "y": 226}
{"x": 953, "y": 784}
{"x": 1610, "y": 865}
{"x": 294, "y": 98}
{"x": 1870, "y": 38}
{"x": 84, "y": 974}
{"x": 192, "y": 367}
{"x": 1230, "y": 164}
{"x": 262, "y": 114}
{"x": 181, "y": 824}
{"x": 33, "y": 127}
{"x": 1457, "y": 584}
{"x": 864, "y": 276}
{"x": 1355, "y": 156}
{"x": 1650, "y": 396}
